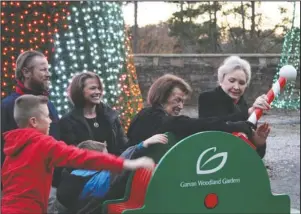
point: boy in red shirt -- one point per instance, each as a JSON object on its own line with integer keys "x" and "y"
{"x": 31, "y": 156}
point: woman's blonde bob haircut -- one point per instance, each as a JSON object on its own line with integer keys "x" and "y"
{"x": 231, "y": 64}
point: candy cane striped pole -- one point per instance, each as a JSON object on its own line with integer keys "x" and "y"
{"x": 287, "y": 73}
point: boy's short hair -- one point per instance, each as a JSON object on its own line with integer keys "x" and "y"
{"x": 27, "y": 106}
{"x": 92, "y": 145}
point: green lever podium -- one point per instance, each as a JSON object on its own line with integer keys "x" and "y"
{"x": 211, "y": 172}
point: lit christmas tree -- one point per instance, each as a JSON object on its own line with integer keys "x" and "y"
{"x": 95, "y": 41}
{"x": 130, "y": 100}
{"x": 290, "y": 98}
{"x": 24, "y": 26}
{"x": 88, "y": 36}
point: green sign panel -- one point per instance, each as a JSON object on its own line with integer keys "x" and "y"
{"x": 211, "y": 172}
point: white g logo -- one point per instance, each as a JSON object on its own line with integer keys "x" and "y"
{"x": 224, "y": 155}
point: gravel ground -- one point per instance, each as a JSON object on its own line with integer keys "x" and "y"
{"x": 283, "y": 161}
{"x": 283, "y": 152}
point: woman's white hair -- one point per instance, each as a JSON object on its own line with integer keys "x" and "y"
{"x": 231, "y": 64}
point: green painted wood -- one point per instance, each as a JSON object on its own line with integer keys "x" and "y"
{"x": 211, "y": 162}
{"x": 156, "y": 152}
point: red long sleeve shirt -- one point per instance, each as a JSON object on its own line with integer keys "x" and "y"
{"x": 30, "y": 159}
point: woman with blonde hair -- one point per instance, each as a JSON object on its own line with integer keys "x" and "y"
{"x": 227, "y": 100}
{"x": 166, "y": 98}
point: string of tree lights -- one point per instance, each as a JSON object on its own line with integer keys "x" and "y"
{"x": 130, "y": 100}
{"x": 290, "y": 98}
{"x": 27, "y": 26}
{"x": 74, "y": 36}
{"x": 96, "y": 41}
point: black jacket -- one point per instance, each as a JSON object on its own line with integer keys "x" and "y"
{"x": 154, "y": 120}
{"x": 74, "y": 128}
{"x": 217, "y": 104}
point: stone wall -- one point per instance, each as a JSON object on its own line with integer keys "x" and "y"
{"x": 200, "y": 70}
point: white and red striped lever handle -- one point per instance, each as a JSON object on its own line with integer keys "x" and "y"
{"x": 287, "y": 73}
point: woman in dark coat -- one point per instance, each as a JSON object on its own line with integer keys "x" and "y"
{"x": 227, "y": 101}
{"x": 166, "y": 97}
{"x": 91, "y": 119}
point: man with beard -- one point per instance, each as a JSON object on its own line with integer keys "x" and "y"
{"x": 33, "y": 77}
